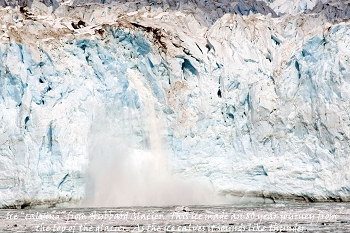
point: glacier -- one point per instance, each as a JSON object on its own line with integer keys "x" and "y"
{"x": 248, "y": 105}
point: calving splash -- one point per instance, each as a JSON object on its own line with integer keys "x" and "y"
{"x": 123, "y": 174}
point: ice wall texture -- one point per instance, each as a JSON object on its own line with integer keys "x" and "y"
{"x": 254, "y": 105}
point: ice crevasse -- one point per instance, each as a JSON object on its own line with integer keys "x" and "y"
{"x": 252, "y": 105}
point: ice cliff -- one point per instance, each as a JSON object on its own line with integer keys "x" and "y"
{"x": 253, "y": 105}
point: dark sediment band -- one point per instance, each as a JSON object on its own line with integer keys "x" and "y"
{"x": 274, "y": 197}
{"x": 333, "y": 10}
{"x": 213, "y": 9}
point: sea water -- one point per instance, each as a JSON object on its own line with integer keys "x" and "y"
{"x": 286, "y": 217}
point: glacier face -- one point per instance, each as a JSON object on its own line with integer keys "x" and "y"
{"x": 252, "y": 105}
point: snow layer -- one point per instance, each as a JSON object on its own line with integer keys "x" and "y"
{"x": 252, "y": 105}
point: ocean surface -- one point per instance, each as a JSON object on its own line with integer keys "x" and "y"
{"x": 294, "y": 217}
